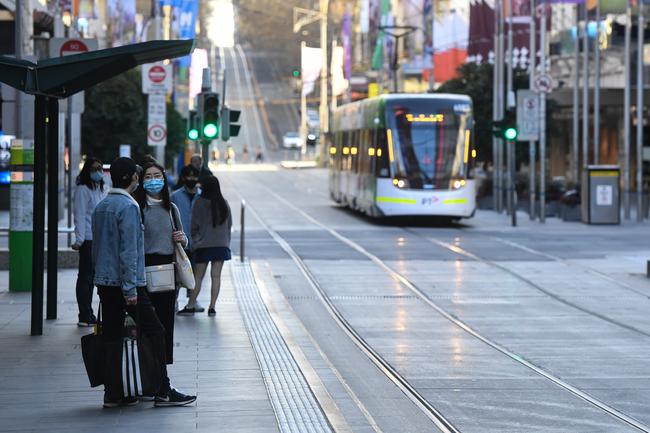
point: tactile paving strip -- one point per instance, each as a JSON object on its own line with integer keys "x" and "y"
{"x": 294, "y": 404}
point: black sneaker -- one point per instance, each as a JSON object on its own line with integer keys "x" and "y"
{"x": 174, "y": 398}
{"x": 212, "y": 312}
{"x": 84, "y": 323}
{"x": 126, "y": 401}
{"x": 187, "y": 311}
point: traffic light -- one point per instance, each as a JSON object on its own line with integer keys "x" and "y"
{"x": 192, "y": 126}
{"x": 506, "y": 128}
{"x": 229, "y": 127}
{"x": 209, "y": 115}
{"x": 295, "y": 72}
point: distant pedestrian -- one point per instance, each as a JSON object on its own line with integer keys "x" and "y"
{"x": 162, "y": 228}
{"x": 197, "y": 161}
{"x": 245, "y": 156}
{"x": 89, "y": 192}
{"x": 118, "y": 254}
{"x": 259, "y": 156}
{"x": 211, "y": 224}
{"x": 184, "y": 200}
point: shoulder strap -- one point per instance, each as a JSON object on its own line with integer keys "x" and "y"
{"x": 172, "y": 214}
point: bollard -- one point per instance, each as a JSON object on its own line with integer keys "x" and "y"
{"x": 241, "y": 233}
{"x": 648, "y": 269}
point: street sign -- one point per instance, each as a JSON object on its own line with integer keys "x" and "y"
{"x": 157, "y": 120}
{"x": 528, "y": 114}
{"x": 156, "y": 78}
{"x": 60, "y": 47}
{"x": 157, "y": 135}
{"x": 543, "y": 83}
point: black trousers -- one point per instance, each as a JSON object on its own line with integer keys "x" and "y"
{"x": 165, "y": 304}
{"x": 113, "y": 313}
{"x": 85, "y": 284}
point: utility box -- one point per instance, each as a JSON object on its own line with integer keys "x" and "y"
{"x": 601, "y": 195}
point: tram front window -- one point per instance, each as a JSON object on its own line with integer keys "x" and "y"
{"x": 429, "y": 140}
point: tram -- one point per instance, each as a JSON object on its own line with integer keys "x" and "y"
{"x": 404, "y": 154}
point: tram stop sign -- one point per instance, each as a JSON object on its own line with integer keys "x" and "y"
{"x": 528, "y": 113}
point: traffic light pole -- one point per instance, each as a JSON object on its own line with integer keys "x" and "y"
{"x": 512, "y": 191}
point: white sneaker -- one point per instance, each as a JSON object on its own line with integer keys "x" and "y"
{"x": 199, "y": 308}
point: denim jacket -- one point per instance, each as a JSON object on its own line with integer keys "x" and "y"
{"x": 118, "y": 242}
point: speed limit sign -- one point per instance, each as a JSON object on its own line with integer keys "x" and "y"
{"x": 156, "y": 135}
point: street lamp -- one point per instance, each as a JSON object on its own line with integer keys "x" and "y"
{"x": 397, "y": 32}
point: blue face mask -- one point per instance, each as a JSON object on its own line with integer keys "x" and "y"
{"x": 153, "y": 186}
{"x": 96, "y": 176}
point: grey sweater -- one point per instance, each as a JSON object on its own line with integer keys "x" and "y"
{"x": 158, "y": 229}
{"x": 203, "y": 234}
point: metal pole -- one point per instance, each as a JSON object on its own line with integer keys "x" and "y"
{"x": 495, "y": 114}
{"x": 500, "y": 58}
{"x": 531, "y": 143}
{"x": 575, "y": 161}
{"x": 18, "y": 36}
{"x": 241, "y": 233}
{"x": 158, "y": 31}
{"x": 38, "y": 241}
{"x": 585, "y": 89}
{"x": 432, "y": 78}
{"x": 513, "y": 193}
{"x": 395, "y": 66}
{"x": 597, "y": 87}
{"x": 639, "y": 117}
{"x": 626, "y": 110}
{"x": 324, "y": 114}
{"x": 303, "y": 107}
{"x": 542, "y": 124}
{"x": 69, "y": 174}
{"x": 52, "y": 205}
{"x": 510, "y": 105}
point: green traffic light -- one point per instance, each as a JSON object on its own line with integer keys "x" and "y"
{"x": 510, "y": 133}
{"x": 193, "y": 134}
{"x": 210, "y": 130}
{"x": 296, "y": 73}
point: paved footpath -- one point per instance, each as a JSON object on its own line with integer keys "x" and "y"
{"x": 45, "y": 388}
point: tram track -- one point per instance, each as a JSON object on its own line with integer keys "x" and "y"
{"x": 468, "y": 254}
{"x": 410, "y": 391}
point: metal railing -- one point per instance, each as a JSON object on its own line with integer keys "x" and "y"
{"x": 4, "y": 231}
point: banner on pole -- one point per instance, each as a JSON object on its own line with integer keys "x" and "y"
{"x": 311, "y": 61}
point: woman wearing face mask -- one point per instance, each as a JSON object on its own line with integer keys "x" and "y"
{"x": 160, "y": 234}
{"x": 89, "y": 192}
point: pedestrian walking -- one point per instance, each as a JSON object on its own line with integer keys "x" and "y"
{"x": 162, "y": 228}
{"x": 197, "y": 162}
{"x": 118, "y": 254}
{"x": 211, "y": 225}
{"x": 184, "y": 199}
{"x": 259, "y": 156}
{"x": 89, "y": 192}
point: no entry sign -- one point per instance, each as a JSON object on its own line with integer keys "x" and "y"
{"x": 156, "y": 78}
{"x": 60, "y": 47}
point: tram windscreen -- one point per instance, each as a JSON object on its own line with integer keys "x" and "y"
{"x": 430, "y": 141}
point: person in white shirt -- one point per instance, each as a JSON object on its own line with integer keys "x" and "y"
{"x": 89, "y": 192}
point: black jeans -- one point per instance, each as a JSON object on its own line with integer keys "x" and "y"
{"x": 164, "y": 303}
{"x": 113, "y": 313}
{"x": 85, "y": 284}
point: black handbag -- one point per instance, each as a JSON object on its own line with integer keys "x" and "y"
{"x": 140, "y": 366}
{"x": 93, "y": 352}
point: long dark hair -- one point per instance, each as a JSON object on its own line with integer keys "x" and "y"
{"x": 211, "y": 190}
{"x": 84, "y": 174}
{"x": 140, "y": 194}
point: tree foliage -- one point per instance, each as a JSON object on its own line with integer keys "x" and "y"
{"x": 476, "y": 82}
{"x": 116, "y": 113}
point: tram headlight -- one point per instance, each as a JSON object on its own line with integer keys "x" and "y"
{"x": 400, "y": 183}
{"x": 459, "y": 183}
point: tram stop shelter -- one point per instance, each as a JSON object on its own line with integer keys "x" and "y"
{"x": 50, "y": 80}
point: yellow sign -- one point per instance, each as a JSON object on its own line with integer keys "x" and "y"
{"x": 373, "y": 90}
